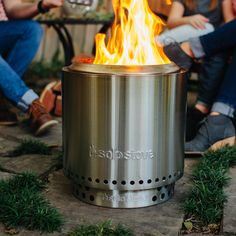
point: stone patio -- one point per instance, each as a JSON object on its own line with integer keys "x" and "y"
{"x": 163, "y": 219}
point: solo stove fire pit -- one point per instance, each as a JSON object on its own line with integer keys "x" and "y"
{"x": 123, "y": 132}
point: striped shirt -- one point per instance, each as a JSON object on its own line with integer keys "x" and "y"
{"x": 2, "y": 12}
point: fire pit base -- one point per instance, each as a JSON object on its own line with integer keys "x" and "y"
{"x": 124, "y": 199}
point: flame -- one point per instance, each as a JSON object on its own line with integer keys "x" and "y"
{"x": 132, "y": 40}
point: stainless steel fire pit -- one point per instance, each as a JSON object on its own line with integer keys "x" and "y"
{"x": 123, "y": 132}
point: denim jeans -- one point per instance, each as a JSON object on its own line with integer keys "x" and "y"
{"x": 19, "y": 42}
{"x": 221, "y": 40}
{"x": 210, "y": 77}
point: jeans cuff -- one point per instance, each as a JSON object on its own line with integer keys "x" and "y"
{"x": 27, "y": 99}
{"x": 223, "y": 109}
{"x": 196, "y": 47}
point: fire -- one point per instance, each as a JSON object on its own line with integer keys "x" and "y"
{"x": 132, "y": 40}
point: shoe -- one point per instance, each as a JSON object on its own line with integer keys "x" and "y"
{"x": 175, "y": 53}
{"x": 47, "y": 97}
{"x": 58, "y": 106}
{"x": 40, "y": 119}
{"x": 194, "y": 120}
{"x": 214, "y": 133}
{"x": 57, "y": 88}
{"x": 7, "y": 117}
{"x": 51, "y": 98}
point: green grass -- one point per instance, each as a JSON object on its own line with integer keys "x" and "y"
{"x": 207, "y": 198}
{"x": 103, "y": 229}
{"x": 23, "y": 205}
{"x": 31, "y": 146}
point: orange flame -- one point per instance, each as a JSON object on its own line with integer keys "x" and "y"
{"x": 132, "y": 40}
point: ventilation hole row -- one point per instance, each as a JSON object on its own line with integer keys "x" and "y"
{"x": 123, "y": 182}
{"x": 83, "y": 195}
{"x": 162, "y": 196}
{"x": 155, "y": 198}
{"x": 90, "y": 179}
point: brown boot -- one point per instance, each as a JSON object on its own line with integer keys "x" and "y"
{"x": 40, "y": 119}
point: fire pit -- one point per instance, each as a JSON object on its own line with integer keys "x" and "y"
{"x": 123, "y": 132}
{"x": 123, "y": 115}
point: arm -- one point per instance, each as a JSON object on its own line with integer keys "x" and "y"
{"x": 16, "y": 9}
{"x": 227, "y": 10}
{"x": 176, "y": 18}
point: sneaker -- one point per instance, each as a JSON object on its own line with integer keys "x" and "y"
{"x": 40, "y": 119}
{"x": 7, "y": 117}
{"x": 194, "y": 120}
{"x": 175, "y": 53}
{"x": 215, "y": 132}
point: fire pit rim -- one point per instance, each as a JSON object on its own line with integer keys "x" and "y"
{"x": 123, "y": 69}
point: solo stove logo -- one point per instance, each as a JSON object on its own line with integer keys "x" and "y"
{"x": 125, "y": 198}
{"x": 114, "y": 154}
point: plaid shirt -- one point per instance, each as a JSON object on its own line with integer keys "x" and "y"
{"x": 2, "y": 12}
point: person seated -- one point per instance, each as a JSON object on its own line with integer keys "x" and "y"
{"x": 19, "y": 40}
{"x": 191, "y": 18}
{"x": 218, "y": 126}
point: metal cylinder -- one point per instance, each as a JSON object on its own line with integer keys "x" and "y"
{"x": 123, "y": 129}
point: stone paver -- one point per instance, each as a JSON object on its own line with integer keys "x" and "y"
{"x": 229, "y": 220}
{"x": 20, "y": 132}
{"x": 36, "y": 163}
{"x": 6, "y": 145}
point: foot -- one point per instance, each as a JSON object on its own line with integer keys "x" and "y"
{"x": 214, "y": 129}
{"x": 194, "y": 120}
{"x": 40, "y": 119}
{"x": 176, "y": 54}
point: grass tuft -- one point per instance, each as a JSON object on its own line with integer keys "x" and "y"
{"x": 103, "y": 229}
{"x": 23, "y": 205}
{"x": 30, "y": 146}
{"x": 206, "y": 199}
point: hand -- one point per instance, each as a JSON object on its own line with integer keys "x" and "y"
{"x": 198, "y": 21}
{"x": 49, "y": 4}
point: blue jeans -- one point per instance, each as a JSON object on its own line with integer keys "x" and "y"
{"x": 19, "y": 42}
{"x": 221, "y": 40}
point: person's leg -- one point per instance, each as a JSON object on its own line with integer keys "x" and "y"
{"x": 218, "y": 125}
{"x": 210, "y": 77}
{"x": 225, "y": 102}
{"x": 182, "y": 33}
{"x": 19, "y": 42}
{"x": 14, "y": 88}
{"x": 221, "y": 40}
